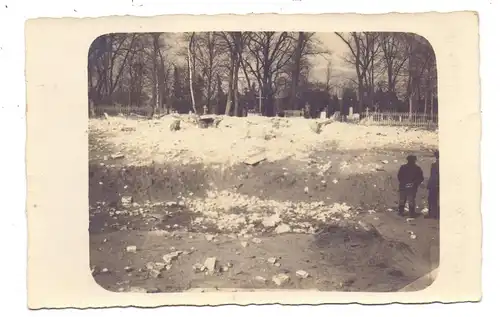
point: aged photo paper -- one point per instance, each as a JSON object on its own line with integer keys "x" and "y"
{"x": 253, "y": 159}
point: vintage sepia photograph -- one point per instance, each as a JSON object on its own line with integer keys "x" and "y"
{"x": 250, "y": 161}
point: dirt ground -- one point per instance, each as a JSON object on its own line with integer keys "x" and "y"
{"x": 330, "y": 213}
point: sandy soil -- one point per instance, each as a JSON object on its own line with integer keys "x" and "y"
{"x": 320, "y": 203}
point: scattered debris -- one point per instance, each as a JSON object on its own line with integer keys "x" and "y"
{"x": 205, "y": 122}
{"x": 210, "y": 264}
{"x": 175, "y": 125}
{"x": 255, "y": 159}
{"x": 172, "y": 256}
{"x": 302, "y": 274}
{"x": 126, "y": 201}
{"x": 368, "y": 227}
{"x": 135, "y": 289}
{"x": 271, "y": 221}
{"x": 154, "y": 273}
{"x": 256, "y": 240}
{"x": 315, "y": 127}
{"x": 280, "y": 279}
{"x": 209, "y": 237}
{"x": 223, "y": 210}
{"x": 198, "y": 267}
{"x": 117, "y": 156}
{"x": 283, "y": 228}
{"x": 260, "y": 279}
{"x": 132, "y": 248}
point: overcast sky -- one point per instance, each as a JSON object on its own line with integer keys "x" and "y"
{"x": 338, "y": 49}
{"x": 330, "y": 41}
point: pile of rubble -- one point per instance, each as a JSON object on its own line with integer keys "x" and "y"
{"x": 222, "y": 209}
{"x": 231, "y": 212}
{"x": 234, "y": 139}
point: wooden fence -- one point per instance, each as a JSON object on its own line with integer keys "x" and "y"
{"x": 365, "y": 118}
{"x": 114, "y": 110}
{"x": 399, "y": 119}
{"x": 293, "y": 113}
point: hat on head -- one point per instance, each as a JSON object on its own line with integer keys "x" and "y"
{"x": 411, "y": 158}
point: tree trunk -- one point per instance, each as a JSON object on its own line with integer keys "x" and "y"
{"x": 361, "y": 94}
{"x": 190, "y": 69}
{"x": 161, "y": 82}
{"x": 209, "y": 91}
{"x": 390, "y": 81}
{"x": 372, "y": 77}
{"x": 432, "y": 104}
{"x": 131, "y": 84}
{"x": 426, "y": 98}
{"x": 268, "y": 98}
{"x": 249, "y": 84}
{"x": 296, "y": 70}
{"x": 155, "y": 73}
{"x": 235, "y": 88}
{"x": 230, "y": 93}
{"x": 210, "y": 71}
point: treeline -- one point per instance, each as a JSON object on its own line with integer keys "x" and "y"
{"x": 393, "y": 71}
{"x": 235, "y": 72}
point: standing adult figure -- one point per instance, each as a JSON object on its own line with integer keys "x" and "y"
{"x": 410, "y": 176}
{"x": 433, "y": 188}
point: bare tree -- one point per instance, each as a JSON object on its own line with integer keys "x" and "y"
{"x": 233, "y": 44}
{"x": 190, "y": 62}
{"x": 268, "y": 54}
{"x": 208, "y": 55}
{"x": 394, "y": 47}
{"x": 363, "y": 51}
{"x": 109, "y": 53}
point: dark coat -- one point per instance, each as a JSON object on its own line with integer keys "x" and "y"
{"x": 434, "y": 178}
{"x": 410, "y": 176}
